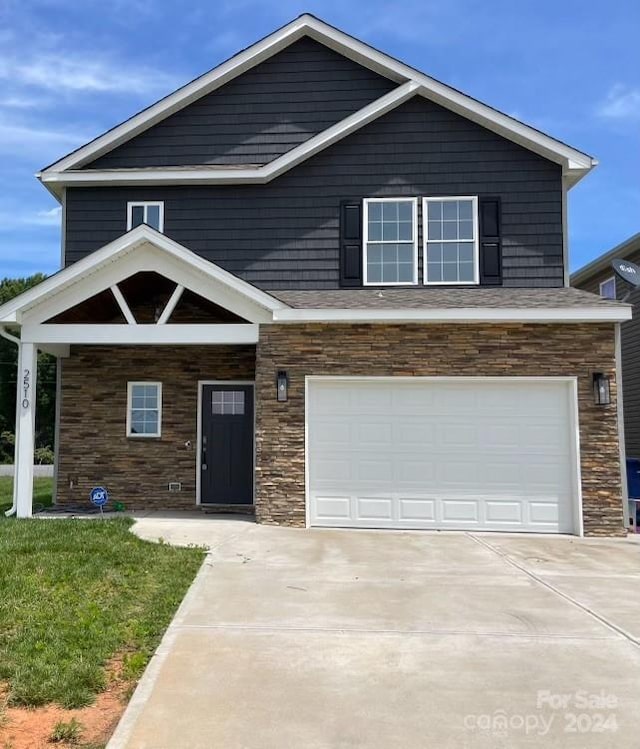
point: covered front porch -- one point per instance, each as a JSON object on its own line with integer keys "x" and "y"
{"x": 143, "y": 330}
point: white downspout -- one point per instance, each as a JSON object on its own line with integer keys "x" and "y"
{"x": 12, "y": 510}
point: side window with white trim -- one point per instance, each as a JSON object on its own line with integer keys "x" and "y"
{"x": 608, "y": 288}
{"x": 390, "y": 241}
{"x": 450, "y": 228}
{"x": 149, "y": 213}
{"x": 144, "y": 409}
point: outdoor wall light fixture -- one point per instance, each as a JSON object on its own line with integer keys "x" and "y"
{"x": 282, "y": 384}
{"x": 601, "y": 389}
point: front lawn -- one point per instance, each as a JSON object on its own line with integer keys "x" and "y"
{"x": 77, "y": 595}
{"x": 42, "y": 492}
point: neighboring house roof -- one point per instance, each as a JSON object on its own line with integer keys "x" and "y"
{"x": 623, "y": 250}
{"x": 575, "y": 164}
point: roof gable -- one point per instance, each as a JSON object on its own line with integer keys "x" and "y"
{"x": 260, "y": 115}
{"x": 141, "y": 250}
{"x": 575, "y": 164}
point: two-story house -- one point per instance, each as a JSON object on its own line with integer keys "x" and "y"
{"x": 318, "y": 283}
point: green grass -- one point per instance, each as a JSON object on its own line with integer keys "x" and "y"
{"x": 67, "y": 733}
{"x": 42, "y": 492}
{"x": 76, "y": 593}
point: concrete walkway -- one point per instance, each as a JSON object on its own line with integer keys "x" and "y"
{"x": 325, "y": 639}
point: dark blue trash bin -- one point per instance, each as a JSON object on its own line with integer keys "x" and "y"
{"x": 633, "y": 477}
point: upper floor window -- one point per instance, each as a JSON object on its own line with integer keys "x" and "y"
{"x": 450, "y": 240}
{"x": 608, "y": 288}
{"x": 150, "y": 213}
{"x": 390, "y": 241}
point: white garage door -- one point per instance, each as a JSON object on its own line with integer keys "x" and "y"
{"x": 472, "y": 454}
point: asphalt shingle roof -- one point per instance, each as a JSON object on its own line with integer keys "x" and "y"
{"x": 448, "y": 298}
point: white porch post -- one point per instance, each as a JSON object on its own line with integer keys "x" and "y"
{"x": 25, "y": 428}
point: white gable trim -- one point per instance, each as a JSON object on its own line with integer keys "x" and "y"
{"x": 138, "y": 250}
{"x": 575, "y": 163}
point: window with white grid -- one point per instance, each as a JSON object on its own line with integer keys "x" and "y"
{"x": 227, "y": 402}
{"x": 450, "y": 228}
{"x": 144, "y": 409}
{"x": 390, "y": 241}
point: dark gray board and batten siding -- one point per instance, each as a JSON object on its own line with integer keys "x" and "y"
{"x": 630, "y": 347}
{"x": 260, "y": 115}
{"x": 285, "y": 234}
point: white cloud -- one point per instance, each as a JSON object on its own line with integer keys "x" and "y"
{"x": 621, "y": 103}
{"x": 62, "y": 73}
{"x": 17, "y": 219}
{"x": 19, "y": 102}
{"x": 14, "y": 135}
{"x": 48, "y": 218}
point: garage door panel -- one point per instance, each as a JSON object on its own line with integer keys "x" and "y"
{"x": 369, "y": 471}
{"x": 374, "y": 508}
{"x": 503, "y": 512}
{"x": 543, "y": 512}
{"x": 417, "y": 508}
{"x": 480, "y": 454}
{"x": 410, "y": 401}
{"x": 414, "y": 432}
{"x": 459, "y": 436}
{"x": 415, "y": 470}
{"x": 338, "y": 508}
{"x": 371, "y": 433}
{"x": 332, "y": 433}
{"x": 460, "y": 511}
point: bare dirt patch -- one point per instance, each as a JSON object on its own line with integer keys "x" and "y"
{"x": 31, "y": 728}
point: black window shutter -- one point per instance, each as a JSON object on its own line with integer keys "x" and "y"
{"x": 490, "y": 220}
{"x": 351, "y": 243}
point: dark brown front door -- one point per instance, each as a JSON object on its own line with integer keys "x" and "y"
{"x": 226, "y": 449}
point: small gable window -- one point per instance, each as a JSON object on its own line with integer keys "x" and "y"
{"x": 144, "y": 409}
{"x": 150, "y": 213}
{"x": 608, "y": 288}
{"x": 390, "y": 241}
{"x": 450, "y": 240}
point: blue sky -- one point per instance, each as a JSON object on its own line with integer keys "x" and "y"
{"x": 70, "y": 69}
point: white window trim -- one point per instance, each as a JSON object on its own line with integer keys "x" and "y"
{"x": 365, "y": 240}
{"x": 615, "y": 290}
{"x": 145, "y": 204}
{"x": 476, "y": 240}
{"x": 130, "y": 386}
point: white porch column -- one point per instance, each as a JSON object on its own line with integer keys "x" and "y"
{"x": 25, "y": 428}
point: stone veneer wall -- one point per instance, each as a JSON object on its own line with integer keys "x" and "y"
{"x": 94, "y": 449}
{"x": 383, "y": 350}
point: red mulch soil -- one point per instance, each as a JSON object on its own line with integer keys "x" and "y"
{"x": 31, "y": 728}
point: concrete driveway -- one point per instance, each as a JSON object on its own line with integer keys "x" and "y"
{"x": 308, "y": 639}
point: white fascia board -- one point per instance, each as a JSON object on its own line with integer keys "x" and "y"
{"x": 253, "y": 175}
{"x": 156, "y": 335}
{"x": 457, "y": 315}
{"x": 575, "y": 163}
{"x": 90, "y": 266}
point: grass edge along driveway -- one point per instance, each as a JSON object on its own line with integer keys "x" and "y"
{"x": 77, "y": 594}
